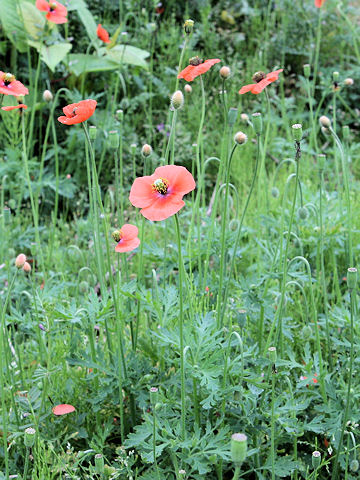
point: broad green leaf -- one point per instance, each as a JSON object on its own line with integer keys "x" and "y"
{"x": 81, "y": 63}
{"x": 12, "y": 24}
{"x": 53, "y": 54}
{"x": 113, "y": 39}
{"x": 129, "y": 54}
{"x": 85, "y": 16}
{"x": 34, "y": 21}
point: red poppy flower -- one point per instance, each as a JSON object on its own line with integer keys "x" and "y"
{"x": 127, "y": 238}
{"x": 14, "y": 107}
{"x": 78, "y": 112}
{"x": 102, "y": 34}
{"x": 10, "y": 86}
{"x": 196, "y": 68}
{"x": 56, "y": 11}
{"x": 63, "y": 409}
{"x": 160, "y": 195}
{"x": 319, "y": 3}
{"x": 262, "y": 81}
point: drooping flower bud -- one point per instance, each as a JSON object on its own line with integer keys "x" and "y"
{"x": 354, "y": 465}
{"x": 240, "y": 138}
{"x": 177, "y": 100}
{"x": 47, "y": 96}
{"x": 325, "y": 121}
{"x": 303, "y": 213}
{"x": 238, "y": 448}
{"x": 26, "y": 267}
{"x": 225, "y": 72}
{"x": 275, "y": 192}
{"x": 146, "y": 150}
{"x": 20, "y": 260}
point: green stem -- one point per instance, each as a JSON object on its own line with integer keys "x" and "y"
{"x": 26, "y": 467}
{"x": 272, "y": 451}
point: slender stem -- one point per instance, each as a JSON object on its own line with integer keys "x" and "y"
{"x": 181, "y": 327}
{"x": 317, "y": 50}
{"x": 349, "y": 383}
{"x": 236, "y": 473}
{"x": 272, "y": 451}
{"x": 26, "y": 467}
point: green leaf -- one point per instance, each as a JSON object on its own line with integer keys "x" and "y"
{"x": 128, "y": 54}
{"x": 34, "y": 21}
{"x": 81, "y": 63}
{"x": 12, "y": 24}
{"x": 53, "y": 54}
{"x": 85, "y": 16}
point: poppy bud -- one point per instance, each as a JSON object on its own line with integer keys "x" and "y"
{"x": 325, "y": 131}
{"x": 114, "y": 139}
{"x": 20, "y": 260}
{"x": 26, "y": 267}
{"x": 351, "y": 278}
{"x": 99, "y": 464}
{"x": 316, "y": 459}
{"x": 84, "y": 287}
{"x": 232, "y": 115}
{"x": 182, "y": 472}
{"x": 188, "y": 88}
{"x": 346, "y": 131}
{"x": 240, "y": 138}
{"x": 92, "y": 132}
{"x": 133, "y": 148}
{"x": 272, "y": 354}
{"x": 335, "y": 76}
{"x": 154, "y": 395}
{"x": 349, "y": 81}
{"x": 146, "y": 150}
{"x": 303, "y": 213}
{"x": 257, "y": 123}
{"x": 177, "y": 100}
{"x": 47, "y": 96}
{"x": 275, "y": 192}
{"x": 29, "y": 438}
{"x": 321, "y": 159}
{"x": 225, "y": 72}
{"x": 188, "y": 26}
{"x": 354, "y": 465}
{"x": 325, "y": 121}
{"x": 119, "y": 115}
{"x": 297, "y": 132}
{"x": 238, "y": 448}
{"x": 307, "y": 70}
{"x": 244, "y": 117}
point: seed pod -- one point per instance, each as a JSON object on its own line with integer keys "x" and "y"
{"x": 29, "y": 438}
{"x": 238, "y": 448}
{"x": 257, "y": 123}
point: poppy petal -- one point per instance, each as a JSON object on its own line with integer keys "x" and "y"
{"x": 319, "y": 3}
{"x": 56, "y": 18}
{"x": 259, "y": 87}
{"x": 14, "y": 107}
{"x": 60, "y": 8}
{"x": 127, "y": 245}
{"x": 141, "y": 192}
{"x": 272, "y": 76}
{"x": 63, "y": 409}
{"x": 180, "y": 179}
{"x": 186, "y": 74}
{"x": 163, "y": 208}
{"x": 42, "y": 5}
{"x": 247, "y": 88}
{"x": 129, "y": 231}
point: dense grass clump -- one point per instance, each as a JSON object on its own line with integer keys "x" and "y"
{"x": 179, "y": 240}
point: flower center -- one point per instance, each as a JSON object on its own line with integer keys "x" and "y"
{"x": 117, "y": 235}
{"x": 73, "y": 113}
{"x": 161, "y": 186}
{"x": 258, "y": 76}
{"x": 194, "y": 61}
{"x": 52, "y": 6}
{"x": 7, "y": 78}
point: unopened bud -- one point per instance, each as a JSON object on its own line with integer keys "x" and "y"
{"x": 232, "y": 115}
{"x": 47, "y": 96}
{"x": 240, "y": 138}
{"x": 238, "y": 448}
{"x": 325, "y": 131}
{"x": 92, "y": 132}
{"x": 272, "y": 354}
{"x": 354, "y": 465}
{"x": 84, "y": 287}
{"x": 99, "y": 464}
{"x": 225, "y": 72}
{"x": 27, "y": 267}
{"x": 275, "y": 192}
{"x": 244, "y": 117}
{"x": 146, "y": 150}
{"x": 257, "y": 123}
{"x": 325, "y": 121}
{"x": 114, "y": 139}
{"x": 335, "y": 76}
{"x": 316, "y": 459}
{"x": 349, "y": 81}
{"x": 119, "y": 115}
{"x": 188, "y": 88}
{"x": 29, "y": 438}
{"x": 297, "y": 132}
{"x": 303, "y": 213}
{"x": 20, "y": 260}
{"x": 351, "y": 278}
{"x": 188, "y": 26}
{"x": 307, "y": 70}
{"x": 177, "y": 100}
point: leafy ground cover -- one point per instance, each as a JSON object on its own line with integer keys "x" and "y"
{"x": 179, "y": 240}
